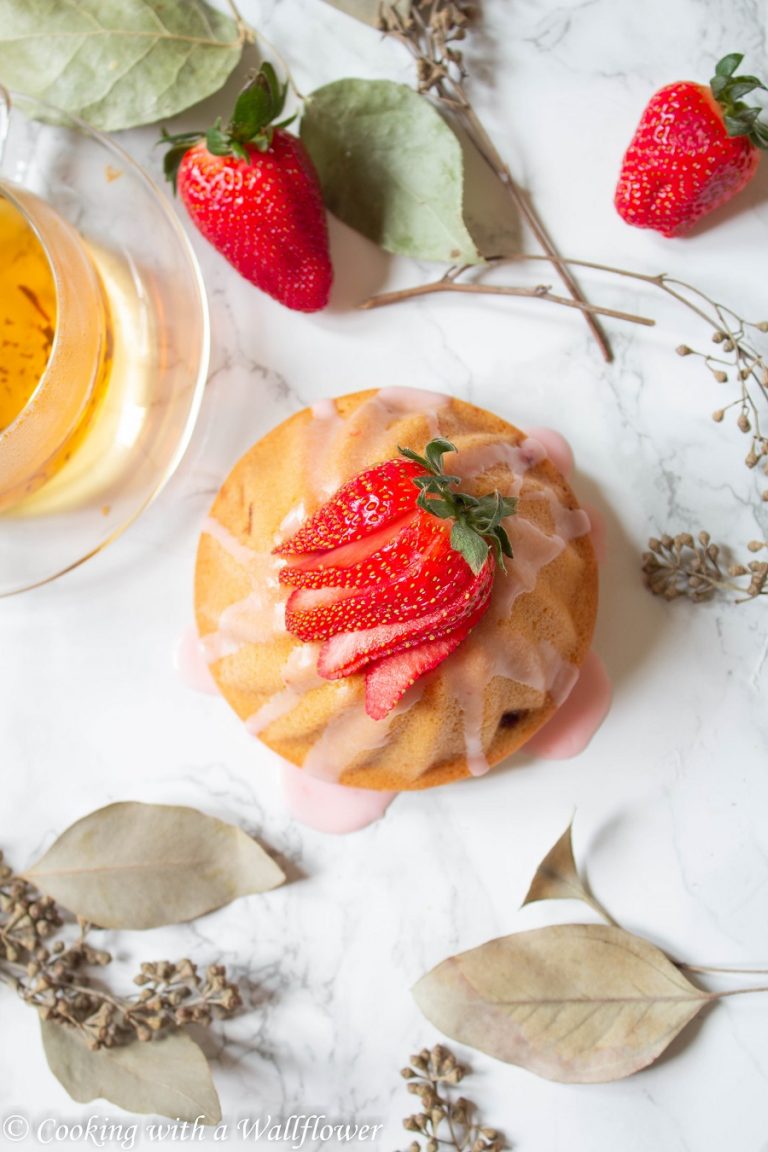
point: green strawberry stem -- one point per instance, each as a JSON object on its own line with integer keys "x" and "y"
{"x": 477, "y": 520}
{"x": 252, "y": 125}
{"x": 728, "y": 88}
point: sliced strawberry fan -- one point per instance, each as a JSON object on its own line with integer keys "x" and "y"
{"x": 393, "y": 572}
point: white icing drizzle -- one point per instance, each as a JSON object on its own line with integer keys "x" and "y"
{"x": 323, "y": 435}
{"x": 291, "y": 522}
{"x": 299, "y": 674}
{"x": 351, "y": 732}
{"x": 536, "y": 666}
{"x": 260, "y": 615}
{"x": 519, "y": 458}
{"x": 363, "y": 434}
{"x": 483, "y": 656}
{"x": 570, "y": 523}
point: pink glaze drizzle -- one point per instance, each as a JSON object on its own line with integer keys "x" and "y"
{"x": 190, "y": 663}
{"x": 575, "y": 723}
{"x": 329, "y": 807}
{"x": 557, "y": 449}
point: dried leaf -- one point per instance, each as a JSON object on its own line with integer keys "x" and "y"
{"x": 117, "y": 63}
{"x": 577, "y": 1003}
{"x": 390, "y": 167}
{"x": 557, "y": 877}
{"x": 133, "y": 865}
{"x": 369, "y": 11}
{"x": 166, "y": 1077}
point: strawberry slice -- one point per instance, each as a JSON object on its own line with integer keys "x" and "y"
{"x": 361, "y": 506}
{"x": 348, "y": 652}
{"x": 388, "y": 679}
{"x": 382, "y": 555}
{"x": 435, "y": 572}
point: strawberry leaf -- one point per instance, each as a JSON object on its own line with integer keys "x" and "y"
{"x": 478, "y": 520}
{"x": 470, "y": 544}
{"x": 728, "y": 65}
{"x": 739, "y": 119}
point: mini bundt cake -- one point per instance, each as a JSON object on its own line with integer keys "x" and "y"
{"x": 342, "y": 627}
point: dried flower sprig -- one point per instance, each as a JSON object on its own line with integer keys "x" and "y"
{"x": 52, "y": 976}
{"x": 443, "y": 1120}
{"x": 431, "y": 31}
{"x": 695, "y": 568}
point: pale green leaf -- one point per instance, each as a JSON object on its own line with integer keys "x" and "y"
{"x": 577, "y": 1003}
{"x": 166, "y": 1077}
{"x": 133, "y": 865}
{"x": 390, "y": 167}
{"x": 116, "y": 63}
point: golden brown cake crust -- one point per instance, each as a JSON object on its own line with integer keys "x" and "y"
{"x": 237, "y": 602}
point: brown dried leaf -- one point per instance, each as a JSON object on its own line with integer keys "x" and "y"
{"x": 167, "y": 1077}
{"x": 369, "y": 11}
{"x": 577, "y": 1003}
{"x": 133, "y": 865}
{"x": 557, "y": 878}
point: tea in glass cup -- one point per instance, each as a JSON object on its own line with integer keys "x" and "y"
{"x": 55, "y": 342}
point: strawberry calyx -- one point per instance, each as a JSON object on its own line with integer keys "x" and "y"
{"x": 252, "y": 126}
{"x": 477, "y": 526}
{"x": 727, "y": 88}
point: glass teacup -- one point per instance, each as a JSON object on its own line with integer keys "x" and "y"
{"x": 98, "y": 432}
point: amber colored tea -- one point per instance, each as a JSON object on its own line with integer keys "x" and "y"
{"x": 55, "y": 344}
{"x": 27, "y": 312}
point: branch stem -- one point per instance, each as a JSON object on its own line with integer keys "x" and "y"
{"x": 487, "y": 149}
{"x": 541, "y": 292}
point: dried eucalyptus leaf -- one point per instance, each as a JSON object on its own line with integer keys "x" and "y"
{"x": 369, "y": 11}
{"x": 390, "y": 167}
{"x": 557, "y": 877}
{"x": 577, "y": 1003}
{"x": 133, "y": 865}
{"x": 166, "y": 1077}
{"x": 117, "y": 63}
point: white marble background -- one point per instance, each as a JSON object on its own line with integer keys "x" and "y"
{"x": 671, "y": 796}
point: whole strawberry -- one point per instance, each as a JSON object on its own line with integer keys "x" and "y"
{"x": 695, "y": 147}
{"x": 252, "y": 191}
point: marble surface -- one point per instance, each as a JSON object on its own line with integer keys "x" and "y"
{"x": 671, "y": 795}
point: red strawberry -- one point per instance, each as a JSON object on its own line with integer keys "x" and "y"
{"x": 253, "y": 193}
{"x": 695, "y": 147}
{"x": 348, "y": 652}
{"x": 369, "y": 501}
{"x": 382, "y": 555}
{"x": 393, "y": 571}
{"x": 388, "y": 679}
{"x": 436, "y": 573}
